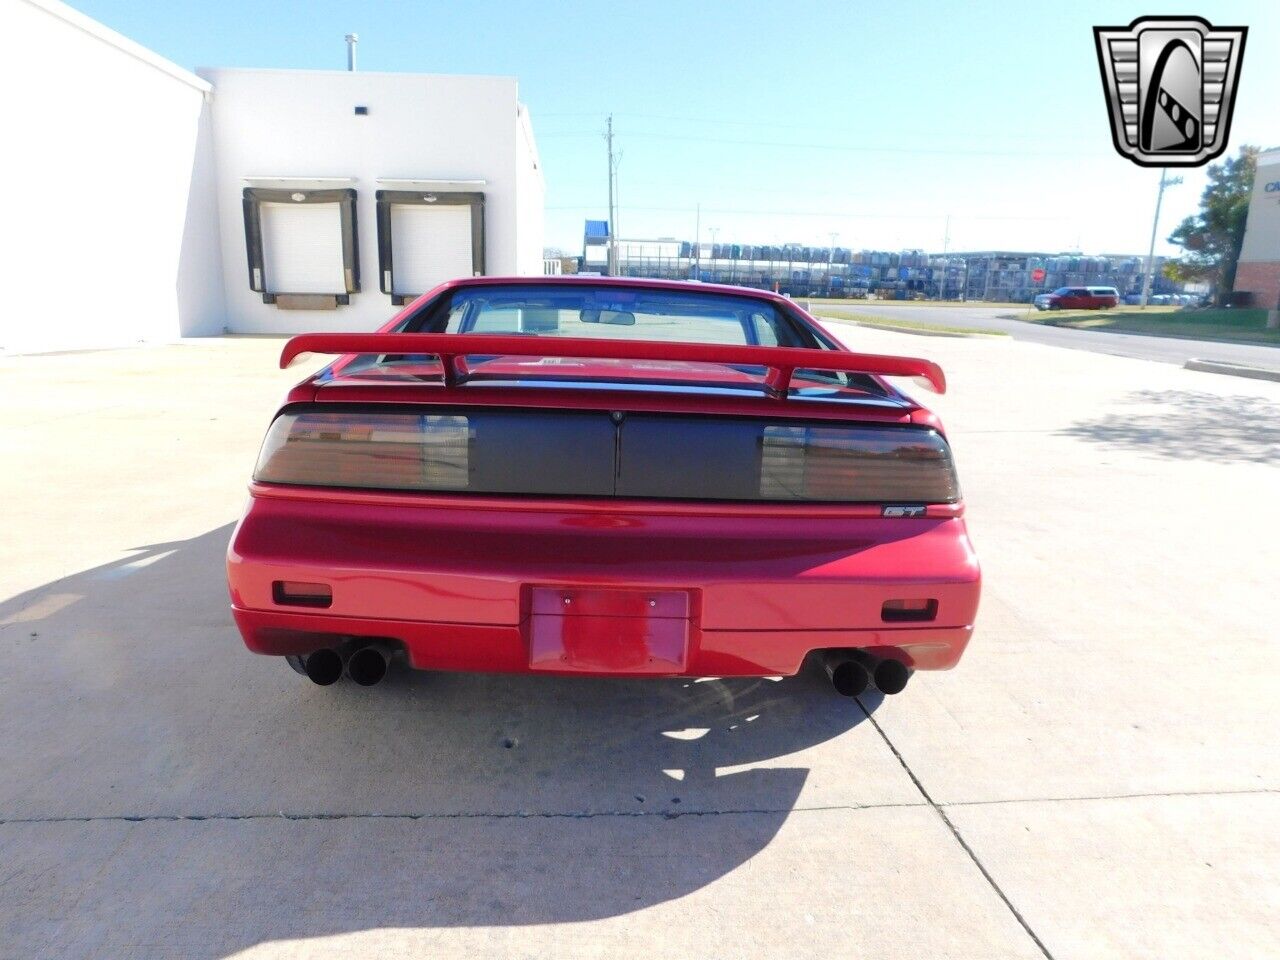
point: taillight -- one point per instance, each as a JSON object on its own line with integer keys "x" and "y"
{"x": 393, "y": 451}
{"x": 589, "y": 453}
{"x": 856, "y": 464}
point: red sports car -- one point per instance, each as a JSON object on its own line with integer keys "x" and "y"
{"x": 615, "y": 477}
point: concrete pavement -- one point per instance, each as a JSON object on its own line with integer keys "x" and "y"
{"x": 1163, "y": 349}
{"x": 1097, "y": 779}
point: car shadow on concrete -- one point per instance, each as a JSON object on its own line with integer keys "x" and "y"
{"x": 170, "y": 783}
{"x": 1189, "y": 424}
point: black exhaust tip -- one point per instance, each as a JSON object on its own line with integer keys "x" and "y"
{"x": 891, "y": 676}
{"x": 324, "y": 667}
{"x": 849, "y": 677}
{"x": 367, "y": 666}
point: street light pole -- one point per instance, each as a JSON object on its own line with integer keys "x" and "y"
{"x": 1165, "y": 181}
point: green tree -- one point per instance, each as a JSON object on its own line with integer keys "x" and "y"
{"x": 1211, "y": 239}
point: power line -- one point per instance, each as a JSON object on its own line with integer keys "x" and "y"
{"x": 813, "y": 213}
{"x": 754, "y": 123}
{"x": 840, "y": 147}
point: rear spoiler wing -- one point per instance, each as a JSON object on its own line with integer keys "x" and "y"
{"x": 781, "y": 362}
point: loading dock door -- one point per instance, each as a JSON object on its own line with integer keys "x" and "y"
{"x": 427, "y": 238}
{"x": 431, "y": 244}
{"x": 302, "y": 248}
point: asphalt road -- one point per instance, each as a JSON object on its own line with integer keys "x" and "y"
{"x": 1097, "y": 780}
{"x": 1163, "y": 349}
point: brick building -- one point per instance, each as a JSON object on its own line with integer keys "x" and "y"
{"x": 1258, "y": 271}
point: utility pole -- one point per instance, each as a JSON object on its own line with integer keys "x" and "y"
{"x": 612, "y": 251}
{"x": 1165, "y": 181}
{"x": 714, "y": 232}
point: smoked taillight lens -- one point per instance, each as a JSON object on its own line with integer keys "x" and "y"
{"x": 856, "y": 464}
{"x": 589, "y": 453}
{"x": 391, "y": 451}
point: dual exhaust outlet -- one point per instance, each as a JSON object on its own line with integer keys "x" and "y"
{"x": 853, "y": 672}
{"x": 365, "y": 665}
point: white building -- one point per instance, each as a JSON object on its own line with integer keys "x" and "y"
{"x": 150, "y": 203}
{"x": 1258, "y": 271}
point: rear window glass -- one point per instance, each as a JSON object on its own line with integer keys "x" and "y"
{"x": 618, "y": 313}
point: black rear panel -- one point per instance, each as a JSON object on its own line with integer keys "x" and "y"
{"x": 566, "y": 454}
{"x": 686, "y": 458}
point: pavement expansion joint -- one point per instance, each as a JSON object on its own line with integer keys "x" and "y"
{"x": 1151, "y": 795}
{"x": 938, "y": 806}
{"x": 518, "y": 815}
{"x": 977, "y": 862}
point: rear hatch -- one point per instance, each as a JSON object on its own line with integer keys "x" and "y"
{"x": 636, "y": 420}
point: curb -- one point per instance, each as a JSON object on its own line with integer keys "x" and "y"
{"x": 1232, "y": 369}
{"x": 952, "y": 334}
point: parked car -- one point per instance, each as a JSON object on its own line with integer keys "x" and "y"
{"x": 617, "y": 477}
{"x": 1078, "y": 298}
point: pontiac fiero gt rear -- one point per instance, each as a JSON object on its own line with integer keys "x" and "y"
{"x": 604, "y": 477}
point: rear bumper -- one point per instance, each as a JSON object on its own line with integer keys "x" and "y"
{"x": 737, "y": 592}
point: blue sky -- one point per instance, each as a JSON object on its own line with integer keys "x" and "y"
{"x": 785, "y": 121}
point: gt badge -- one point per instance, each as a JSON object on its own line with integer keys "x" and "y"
{"x": 911, "y": 511}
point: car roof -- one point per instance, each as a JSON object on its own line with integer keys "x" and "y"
{"x": 634, "y": 283}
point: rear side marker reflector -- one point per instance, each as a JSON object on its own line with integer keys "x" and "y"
{"x": 292, "y": 593}
{"x": 909, "y": 611}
